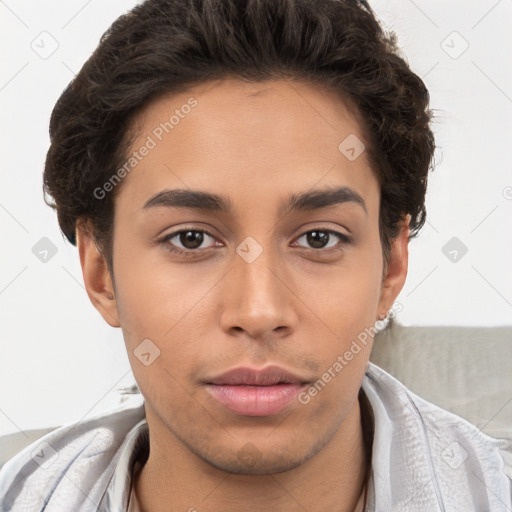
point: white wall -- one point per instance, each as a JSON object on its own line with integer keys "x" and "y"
{"x": 59, "y": 361}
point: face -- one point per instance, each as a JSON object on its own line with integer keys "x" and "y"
{"x": 248, "y": 278}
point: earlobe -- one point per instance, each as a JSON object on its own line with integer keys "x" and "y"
{"x": 97, "y": 278}
{"x": 396, "y": 270}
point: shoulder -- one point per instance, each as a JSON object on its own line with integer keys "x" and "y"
{"x": 426, "y": 447}
{"x": 70, "y": 466}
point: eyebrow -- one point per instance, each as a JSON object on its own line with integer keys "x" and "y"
{"x": 304, "y": 201}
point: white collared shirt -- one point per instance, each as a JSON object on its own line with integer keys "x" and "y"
{"x": 424, "y": 459}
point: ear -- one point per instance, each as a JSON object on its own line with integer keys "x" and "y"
{"x": 97, "y": 278}
{"x": 396, "y": 269}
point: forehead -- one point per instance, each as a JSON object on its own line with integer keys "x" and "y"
{"x": 246, "y": 139}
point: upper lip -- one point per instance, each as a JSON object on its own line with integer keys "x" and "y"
{"x": 267, "y": 376}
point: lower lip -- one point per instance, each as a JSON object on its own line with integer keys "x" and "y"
{"x": 255, "y": 400}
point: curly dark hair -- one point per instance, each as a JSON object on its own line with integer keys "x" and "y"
{"x": 165, "y": 46}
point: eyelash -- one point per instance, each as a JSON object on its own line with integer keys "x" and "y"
{"x": 344, "y": 240}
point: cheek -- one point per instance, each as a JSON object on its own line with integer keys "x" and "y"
{"x": 168, "y": 305}
{"x": 341, "y": 316}
{"x": 345, "y": 294}
{"x": 153, "y": 295}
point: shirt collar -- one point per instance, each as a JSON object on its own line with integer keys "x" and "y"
{"x": 134, "y": 448}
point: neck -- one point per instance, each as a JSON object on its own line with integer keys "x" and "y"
{"x": 174, "y": 478}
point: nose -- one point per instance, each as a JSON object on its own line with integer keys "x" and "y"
{"x": 259, "y": 300}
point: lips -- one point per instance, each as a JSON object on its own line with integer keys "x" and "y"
{"x": 252, "y": 392}
{"x": 251, "y": 377}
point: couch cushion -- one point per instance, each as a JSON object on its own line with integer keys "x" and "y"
{"x": 466, "y": 370}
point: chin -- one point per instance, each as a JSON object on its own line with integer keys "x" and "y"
{"x": 250, "y": 459}
{"x": 263, "y": 466}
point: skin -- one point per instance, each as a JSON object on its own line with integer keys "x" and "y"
{"x": 296, "y": 305}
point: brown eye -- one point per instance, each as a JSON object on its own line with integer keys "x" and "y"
{"x": 191, "y": 239}
{"x": 323, "y": 239}
{"x": 317, "y": 239}
{"x": 186, "y": 241}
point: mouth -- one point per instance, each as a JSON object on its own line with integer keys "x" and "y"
{"x": 251, "y": 392}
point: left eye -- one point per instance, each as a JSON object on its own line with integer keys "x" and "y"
{"x": 190, "y": 239}
{"x": 321, "y": 238}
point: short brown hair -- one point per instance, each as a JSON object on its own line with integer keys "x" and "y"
{"x": 164, "y": 46}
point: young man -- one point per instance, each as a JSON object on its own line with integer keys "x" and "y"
{"x": 241, "y": 179}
